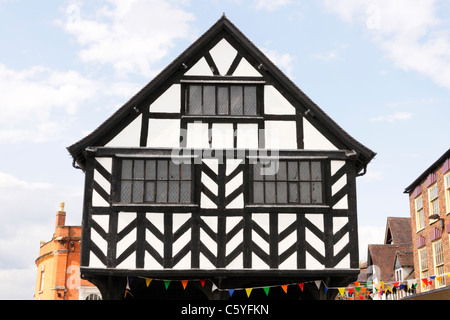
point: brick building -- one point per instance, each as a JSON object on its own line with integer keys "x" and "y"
{"x": 58, "y": 265}
{"x": 429, "y": 197}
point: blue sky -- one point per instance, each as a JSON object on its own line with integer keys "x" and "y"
{"x": 379, "y": 68}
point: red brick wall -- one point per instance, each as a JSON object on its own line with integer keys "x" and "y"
{"x": 426, "y": 232}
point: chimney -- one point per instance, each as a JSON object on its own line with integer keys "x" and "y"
{"x": 61, "y": 216}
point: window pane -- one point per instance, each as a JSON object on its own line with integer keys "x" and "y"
{"x": 150, "y": 191}
{"x": 185, "y": 191}
{"x": 249, "y": 100}
{"x": 174, "y": 171}
{"x": 316, "y": 171}
{"x": 236, "y": 100}
{"x": 293, "y": 171}
{"x": 293, "y": 192}
{"x": 258, "y": 192}
{"x": 304, "y": 171}
{"x": 127, "y": 167}
{"x": 281, "y": 174}
{"x": 185, "y": 171}
{"x": 209, "y": 100}
{"x": 150, "y": 170}
{"x": 162, "y": 170}
{"x": 138, "y": 191}
{"x": 257, "y": 172}
{"x": 305, "y": 192}
{"x": 222, "y": 100}
{"x": 138, "y": 170}
{"x": 174, "y": 190}
{"x": 281, "y": 192}
{"x": 316, "y": 192}
{"x": 269, "y": 192}
{"x": 195, "y": 100}
{"x": 125, "y": 191}
{"x": 161, "y": 191}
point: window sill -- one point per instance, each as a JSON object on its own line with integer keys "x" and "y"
{"x": 154, "y": 206}
{"x": 287, "y": 207}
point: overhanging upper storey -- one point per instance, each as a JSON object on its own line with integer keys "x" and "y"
{"x": 221, "y": 93}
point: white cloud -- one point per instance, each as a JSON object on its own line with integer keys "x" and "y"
{"x": 397, "y": 116}
{"x": 132, "y": 36}
{"x": 8, "y": 181}
{"x": 410, "y": 32}
{"x": 270, "y": 5}
{"x": 283, "y": 61}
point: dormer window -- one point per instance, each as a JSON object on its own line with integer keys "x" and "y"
{"x": 221, "y": 99}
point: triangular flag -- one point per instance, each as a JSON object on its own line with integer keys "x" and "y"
{"x": 202, "y": 281}
{"x": 266, "y": 290}
{"x": 128, "y": 284}
{"x": 356, "y": 283}
{"x": 248, "y": 290}
{"x": 358, "y": 288}
{"x": 341, "y": 291}
{"x": 184, "y": 283}
{"x": 166, "y": 283}
{"x": 317, "y": 282}
{"x": 363, "y": 290}
{"x": 390, "y": 289}
{"x": 439, "y": 278}
{"x": 432, "y": 277}
{"x": 231, "y": 291}
{"x": 396, "y": 284}
{"x": 368, "y": 283}
{"x": 284, "y": 287}
{"x": 301, "y": 285}
{"x": 214, "y": 287}
{"x": 382, "y": 284}
{"x": 326, "y": 288}
{"x": 148, "y": 281}
{"x": 350, "y": 291}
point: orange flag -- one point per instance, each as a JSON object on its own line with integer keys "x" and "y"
{"x": 148, "y": 281}
{"x": 184, "y": 282}
{"x": 285, "y": 286}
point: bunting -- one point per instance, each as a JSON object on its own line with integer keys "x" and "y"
{"x": 355, "y": 290}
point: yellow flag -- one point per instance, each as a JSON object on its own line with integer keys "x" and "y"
{"x": 341, "y": 291}
{"x": 439, "y": 278}
{"x": 148, "y": 281}
{"x": 248, "y": 290}
{"x": 381, "y": 284}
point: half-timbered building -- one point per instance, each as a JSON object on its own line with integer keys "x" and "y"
{"x": 220, "y": 168}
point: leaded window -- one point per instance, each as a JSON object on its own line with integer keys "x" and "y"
{"x": 295, "y": 182}
{"x": 221, "y": 100}
{"x": 155, "y": 181}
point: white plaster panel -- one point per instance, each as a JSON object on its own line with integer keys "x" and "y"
{"x": 201, "y": 68}
{"x": 169, "y": 101}
{"x": 247, "y": 136}
{"x": 312, "y": 263}
{"x": 125, "y": 218}
{"x": 98, "y": 201}
{"x": 197, "y": 135}
{"x": 281, "y": 134}
{"x": 245, "y": 69}
{"x": 130, "y": 136}
{"x": 222, "y": 135}
{"x": 102, "y": 181}
{"x": 103, "y": 221}
{"x": 336, "y": 165}
{"x": 342, "y": 204}
{"x": 275, "y": 102}
{"x": 313, "y": 139}
{"x": 105, "y": 162}
{"x": 163, "y": 133}
{"x": 223, "y": 55}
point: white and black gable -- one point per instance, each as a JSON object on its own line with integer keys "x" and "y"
{"x": 180, "y": 178}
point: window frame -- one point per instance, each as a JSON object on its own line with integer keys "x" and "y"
{"x": 259, "y": 97}
{"x": 447, "y": 191}
{"x": 154, "y": 202}
{"x": 287, "y": 203}
{"x": 439, "y": 262}
{"x": 423, "y": 264}
{"x": 419, "y": 213}
{"x": 431, "y": 201}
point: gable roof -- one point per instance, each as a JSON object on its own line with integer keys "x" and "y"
{"x": 383, "y": 256}
{"x": 223, "y": 27}
{"x": 398, "y": 231}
